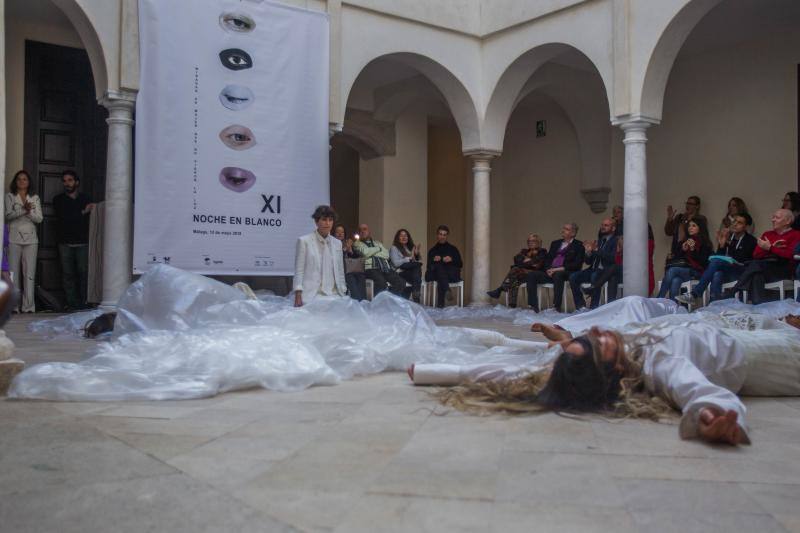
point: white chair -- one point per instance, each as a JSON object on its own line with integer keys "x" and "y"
{"x": 549, "y": 286}
{"x": 687, "y": 286}
{"x": 522, "y": 287}
{"x": 459, "y": 285}
{"x": 732, "y": 284}
{"x": 782, "y": 286}
{"x": 371, "y": 291}
{"x": 796, "y": 289}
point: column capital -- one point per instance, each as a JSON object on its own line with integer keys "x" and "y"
{"x": 634, "y": 121}
{"x": 482, "y": 154}
{"x": 120, "y": 105}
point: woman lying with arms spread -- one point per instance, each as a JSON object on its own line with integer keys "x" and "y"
{"x": 693, "y": 362}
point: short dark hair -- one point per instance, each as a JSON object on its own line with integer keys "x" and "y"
{"x": 13, "y": 185}
{"x": 747, "y": 218}
{"x": 70, "y": 173}
{"x": 695, "y": 199}
{"x": 442, "y": 227}
{"x": 324, "y": 211}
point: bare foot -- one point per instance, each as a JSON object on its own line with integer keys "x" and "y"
{"x": 551, "y": 332}
{"x": 719, "y": 426}
{"x": 410, "y": 371}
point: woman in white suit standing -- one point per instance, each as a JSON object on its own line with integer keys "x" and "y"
{"x": 319, "y": 269}
{"x": 23, "y": 213}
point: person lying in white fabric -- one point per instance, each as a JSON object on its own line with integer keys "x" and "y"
{"x": 695, "y": 363}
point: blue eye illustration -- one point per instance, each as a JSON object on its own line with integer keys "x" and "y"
{"x": 235, "y": 59}
{"x": 236, "y": 97}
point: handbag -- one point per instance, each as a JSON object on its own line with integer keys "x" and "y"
{"x": 678, "y": 262}
{"x": 353, "y": 264}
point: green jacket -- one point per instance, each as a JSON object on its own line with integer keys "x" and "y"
{"x": 368, "y": 252}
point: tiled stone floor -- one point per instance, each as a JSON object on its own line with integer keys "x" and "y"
{"x": 376, "y": 454}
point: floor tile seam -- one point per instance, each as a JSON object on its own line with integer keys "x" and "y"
{"x": 414, "y": 496}
{"x": 68, "y": 484}
{"x": 715, "y": 481}
{"x": 609, "y": 454}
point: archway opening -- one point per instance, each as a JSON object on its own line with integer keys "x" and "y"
{"x": 730, "y": 116}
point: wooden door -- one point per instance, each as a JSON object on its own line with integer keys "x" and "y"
{"x": 65, "y": 128}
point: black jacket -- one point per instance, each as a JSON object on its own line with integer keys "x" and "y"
{"x": 606, "y": 255}
{"x": 741, "y": 250}
{"x": 573, "y": 259}
{"x": 444, "y": 250}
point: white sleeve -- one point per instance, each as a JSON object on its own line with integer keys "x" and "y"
{"x": 299, "y": 265}
{"x": 679, "y": 381}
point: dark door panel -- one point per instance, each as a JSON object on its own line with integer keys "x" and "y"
{"x": 64, "y": 129}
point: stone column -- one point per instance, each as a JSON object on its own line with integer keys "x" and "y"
{"x": 118, "y": 223}
{"x": 635, "y": 249}
{"x": 481, "y": 224}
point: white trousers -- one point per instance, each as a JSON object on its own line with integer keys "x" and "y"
{"x": 22, "y": 262}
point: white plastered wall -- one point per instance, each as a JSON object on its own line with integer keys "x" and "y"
{"x": 393, "y": 190}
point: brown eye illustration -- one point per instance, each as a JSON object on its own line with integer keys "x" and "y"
{"x": 237, "y": 137}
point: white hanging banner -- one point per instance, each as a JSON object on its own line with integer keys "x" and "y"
{"x": 231, "y": 134}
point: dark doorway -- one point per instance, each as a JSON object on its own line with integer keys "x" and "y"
{"x": 344, "y": 172}
{"x": 65, "y": 128}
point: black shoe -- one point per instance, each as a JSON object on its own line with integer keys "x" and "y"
{"x": 495, "y": 294}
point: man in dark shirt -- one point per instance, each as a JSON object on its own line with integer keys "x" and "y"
{"x": 677, "y": 224}
{"x": 72, "y": 211}
{"x": 734, "y": 242}
{"x": 444, "y": 264}
{"x": 599, "y": 255}
{"x": 565, "y": 257}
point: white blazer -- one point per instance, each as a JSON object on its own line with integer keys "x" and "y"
{"x": 308, "y": 265}
{"x": 22, "y": 225}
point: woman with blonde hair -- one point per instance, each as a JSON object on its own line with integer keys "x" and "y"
{"x": 526, "y": 261}
{"x": 23, "y": 213}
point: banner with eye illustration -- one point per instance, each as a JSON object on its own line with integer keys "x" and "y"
{"x": 231, "y": 134}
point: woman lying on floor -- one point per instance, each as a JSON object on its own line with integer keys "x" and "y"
{"x": 695, "y": 365}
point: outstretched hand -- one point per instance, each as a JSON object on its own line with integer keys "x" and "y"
{"x": 719, "y": 426}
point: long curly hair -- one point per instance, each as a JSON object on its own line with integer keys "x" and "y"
{"x": 574, "y": 384}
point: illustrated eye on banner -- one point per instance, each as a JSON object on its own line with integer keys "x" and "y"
{"x": 237, "y": 179}
{"x": 236, "y": 59}
{"x": 236, "y": 97}
{"x": 237, "y": 22}
{"x": 237, "y": 137}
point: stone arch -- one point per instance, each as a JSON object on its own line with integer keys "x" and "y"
{"x": 666, "y": 51}
{"x": 458, "y": 98}
{"x": 91, "y": 41}
{"x": 509, "y": 89}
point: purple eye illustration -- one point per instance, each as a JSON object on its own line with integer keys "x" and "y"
{"x": 236, "y": 179}
{"x": 237, "y": 137}
{"x": 235, "y": 59}
{"x": 237, "y": 22}
{"x": 236, "y": 97}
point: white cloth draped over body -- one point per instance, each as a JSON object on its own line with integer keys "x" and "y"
{"x": 179, "y": 335}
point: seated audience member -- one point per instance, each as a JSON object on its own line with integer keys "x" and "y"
{"x": 736, "y": 206}
{"x": 526, "y": 261}
{"x": 376, "y": 263}
{"x": 564, "y": 257}
{"x": 772, "y": 258}
{"x": 791, "y": 201}
{"x": 736, "y": 246}
{"x": 599, "y": 255}
{"x": 444, "y": 264}
{"x": 354, "y": 277}
{"x": 617, "y": 215}
{"x": 677, "y": 224}
{"x": 318, "y": 270}
{"x": 690, "y": 260}
{"x": 405, "y": 258}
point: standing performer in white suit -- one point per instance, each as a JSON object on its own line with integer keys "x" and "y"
{"x": 318, "y": 266}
